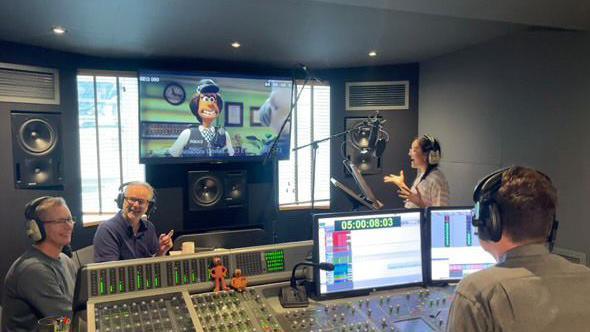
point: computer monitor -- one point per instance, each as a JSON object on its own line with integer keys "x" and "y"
{"x": 369, "y": 250}
{"x": 455, "y": 250}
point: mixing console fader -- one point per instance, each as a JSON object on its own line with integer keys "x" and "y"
{"x": 233, "y": 311}
{"x": 411, "y": 310}
{"x": 161, "y": 313}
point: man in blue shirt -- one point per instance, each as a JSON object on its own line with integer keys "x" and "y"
{"x": 128, "y": 234}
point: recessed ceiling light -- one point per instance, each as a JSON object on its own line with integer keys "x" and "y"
{"x": 235, "y": 44}
{"x": 373, "y": 53}
{"x": 58, "y": 30}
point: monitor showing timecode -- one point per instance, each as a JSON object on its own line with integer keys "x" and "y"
{"x": 367, "y": 223}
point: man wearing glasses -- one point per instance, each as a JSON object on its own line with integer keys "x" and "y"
{"x": 129, "y": 234}
{"x": 41, "y": 282}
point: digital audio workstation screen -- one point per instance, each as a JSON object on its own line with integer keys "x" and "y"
{"x": 369, "y": 251}
{"x": 455, "y": 249}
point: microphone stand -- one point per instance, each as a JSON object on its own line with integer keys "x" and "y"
{"x": 273, "y": 149}
{"x": 314, "y": 147}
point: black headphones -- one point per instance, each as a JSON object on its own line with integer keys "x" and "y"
{"x": 121, "y": 196}
{"x": 432, "y": 150}
{"x": 487, "y": 217}
{"x": 34, "y": 227}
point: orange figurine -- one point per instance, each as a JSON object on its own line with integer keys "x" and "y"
{"x": 219, "y": 272}
{"x": 238, "y": 281}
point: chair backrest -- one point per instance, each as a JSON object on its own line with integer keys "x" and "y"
{"x": 83, "y": 256}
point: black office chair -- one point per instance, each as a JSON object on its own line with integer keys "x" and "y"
{"x": 83, "y": 256}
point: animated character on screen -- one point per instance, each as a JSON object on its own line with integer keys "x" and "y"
{"x": 204, "y": 139}
{"x": 218, "y": 273}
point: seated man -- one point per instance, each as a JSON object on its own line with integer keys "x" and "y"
{"x": 528, "y": 289}
{"x": 41, "y": 282}
{"x": 128, "y": 234}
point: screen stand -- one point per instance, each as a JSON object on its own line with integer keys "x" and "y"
{"x": 294, "y": 297}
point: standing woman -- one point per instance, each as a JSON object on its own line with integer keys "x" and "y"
{"x": 430, "y": 188}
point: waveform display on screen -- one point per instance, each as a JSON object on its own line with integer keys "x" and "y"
{"x": 455, "y": 247}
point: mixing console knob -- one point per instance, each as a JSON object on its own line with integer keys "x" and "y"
{"x": 390, "y": 309}
{"x": 437, "y": 301}
{"x": 381, "y": 300}
{"x": 397, "y": 308}
{"x": 444, "y": 300}
{"x": 408, "y": 296}
{"x": 369, "y": 311}
{"x": 383, "y": 322}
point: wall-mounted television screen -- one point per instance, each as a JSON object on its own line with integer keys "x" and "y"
{"x": 201, "y": 117}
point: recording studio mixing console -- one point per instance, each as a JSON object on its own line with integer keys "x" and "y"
{"x": 174, "y": 294}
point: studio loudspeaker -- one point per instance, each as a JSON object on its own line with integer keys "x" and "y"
{"x": 36, "y": 149}
{"x": 357, "y": 147}
{"x": 208, "y": 190}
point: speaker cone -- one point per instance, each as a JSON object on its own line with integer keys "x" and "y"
{"x": 207, "y": 191}
{"x": 38, "y": 171}
{"x": 37, "y": 136}
{"x": 235, "y": 192}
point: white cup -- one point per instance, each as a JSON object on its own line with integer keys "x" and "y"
{"x": 188, "y": 247}
{"x": 175, "y": 252}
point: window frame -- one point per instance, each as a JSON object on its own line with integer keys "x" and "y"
{"x": 320, "y": 204}
{"x": 93, "y": 218}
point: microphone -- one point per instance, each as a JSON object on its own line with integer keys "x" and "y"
{"x": 295, "y": 296}
{"x": 374, "y": 134}
{"x": 308, "y": 73}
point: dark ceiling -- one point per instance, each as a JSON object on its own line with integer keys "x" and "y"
{"x": 318, "y": 33}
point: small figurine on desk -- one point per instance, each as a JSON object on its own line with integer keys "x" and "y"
{"x": 219, "y": 272}
{"x": 238, "y": 281}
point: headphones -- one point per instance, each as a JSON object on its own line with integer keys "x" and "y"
{"x": 34, "y": 227}
{"x": 432, "y": 149}
{"x": 486, "y": 215}
{"x": 121, "y": 196}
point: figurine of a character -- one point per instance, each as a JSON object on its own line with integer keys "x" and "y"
{"x": 218, "y": 273}
{"x": 238, "y": 281}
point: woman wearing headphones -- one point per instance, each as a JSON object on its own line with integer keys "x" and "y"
{"x": 430, "y": 188}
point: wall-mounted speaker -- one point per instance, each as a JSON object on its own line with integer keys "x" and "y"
{"x": 357, "y": 146}
{"x": 36, "y": 149}
{"x": 209, "y": 190}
